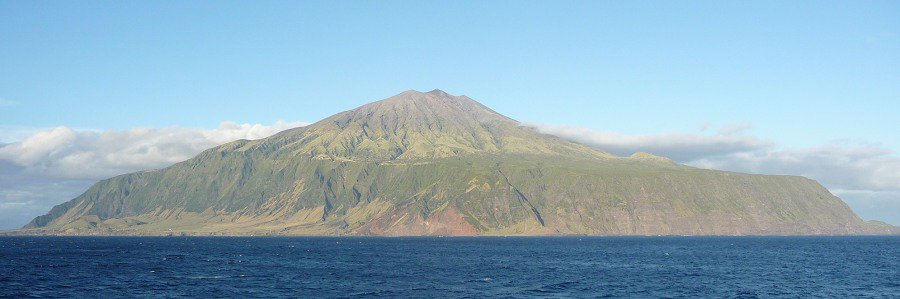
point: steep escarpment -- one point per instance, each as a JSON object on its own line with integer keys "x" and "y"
{"x": 436, "y": 164}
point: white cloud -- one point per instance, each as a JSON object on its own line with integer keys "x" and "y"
{"x": 861, "y": 167}
{"x": 83, "y": 154}
{"x": 677, "y": 145}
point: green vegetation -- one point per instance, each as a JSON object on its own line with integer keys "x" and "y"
{"x": 436, "y": 164}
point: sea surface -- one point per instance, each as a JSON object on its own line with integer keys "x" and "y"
{"x": 450, "y": 267}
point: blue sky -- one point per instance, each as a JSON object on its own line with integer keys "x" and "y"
{"x": 797, "y": 75}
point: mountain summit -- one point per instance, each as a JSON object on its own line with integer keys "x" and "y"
{"x": 436, "y": 164}
{"x": 415, "y": 125}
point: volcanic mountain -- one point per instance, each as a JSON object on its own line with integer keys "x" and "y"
{"x": 436, "y": 164}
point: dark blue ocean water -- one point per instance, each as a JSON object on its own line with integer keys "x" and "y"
{"x": 745, "y": 267}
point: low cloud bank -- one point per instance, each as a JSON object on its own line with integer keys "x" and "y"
{"x": 678, "y": 146}
{"x": 863, "y": 168}
{"x": 63, "y": 152}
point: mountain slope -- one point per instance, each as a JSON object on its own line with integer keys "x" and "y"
{"x": 436, "y": 164}
{"x": 414, "y": 125}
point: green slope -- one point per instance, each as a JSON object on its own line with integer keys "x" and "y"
{"x": 435, "y": 164}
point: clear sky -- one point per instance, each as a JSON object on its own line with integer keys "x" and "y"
{"x": 801, "y": 72}
{"x": 796, "y": 74}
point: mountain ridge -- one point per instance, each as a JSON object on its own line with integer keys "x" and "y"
{"x": 436, "y": 164}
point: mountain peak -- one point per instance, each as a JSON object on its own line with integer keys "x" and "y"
{"x": 415, "y": 93}
{"x": 425, "y": 125}
{"x": 432, "y": 106}
{"x": 438, "y": 92}
{"x": 435, "y": 91}
{"x": 420, "y": 96}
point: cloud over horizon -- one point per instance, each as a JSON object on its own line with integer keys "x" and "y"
{"x": 679, "y": 146}
{"x": 63, "y": 152}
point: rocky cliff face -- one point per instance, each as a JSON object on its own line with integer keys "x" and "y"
{"x": 436, "y": 164}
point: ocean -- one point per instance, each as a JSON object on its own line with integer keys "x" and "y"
{"x": 450, "y": 267}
